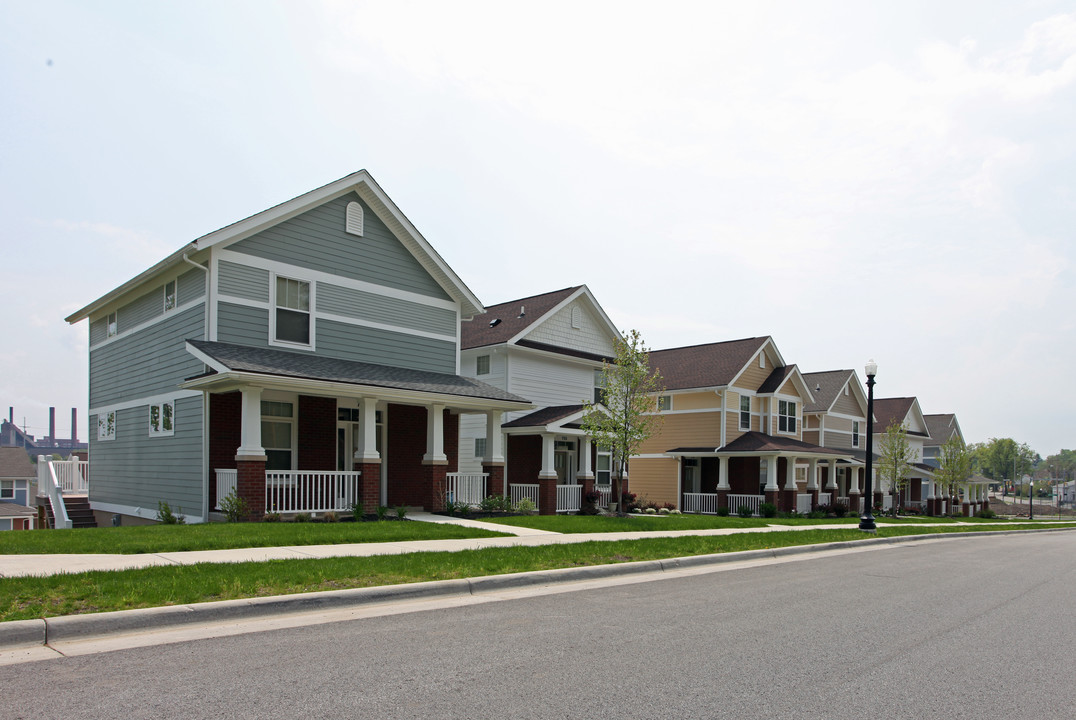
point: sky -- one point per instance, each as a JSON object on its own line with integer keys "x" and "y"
{"x": 892, "y": 181}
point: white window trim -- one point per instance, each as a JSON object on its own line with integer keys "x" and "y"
{"x": 161, "y": 432}
{"x": 112, "y": 324}
{"x": 794, "y": 416}
{"x": 9, "y": 494}
{"x": 478, "y": 365}
{"x": 292, "y": 421}
{"x": 857, "y": 435}
{"x": 739, "y": 414}
{"x": 273, "y": 308}
{"x": 667, "y": 398}
{"x": 480, "y": 447}
{"x": 103, "y": 419}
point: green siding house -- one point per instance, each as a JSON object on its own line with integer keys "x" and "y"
{"x": 304, "y": 358}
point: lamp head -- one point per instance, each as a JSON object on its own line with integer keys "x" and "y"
{"x": 871, "y": 368}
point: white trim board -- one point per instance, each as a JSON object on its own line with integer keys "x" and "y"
{"x": 151, "y": 400}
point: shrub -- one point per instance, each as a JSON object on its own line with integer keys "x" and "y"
{"x": 592, "y": 497}
{"x": 987, "y": 514}
{"x": 744, "y": 511}
{"x": 382, "y": 511}
{"x": 495, "y": 503}
{"x": 525, "y": 505}
{"x": 401, "y": 512}
{"x": 674, "y": 511}
{"x": 723, "y": 511}
{"x": 667, "y": 506}
{"x": 817, "y": 514}
{"x": 330, "y": 517}
{"x": 357, "y": 510}
{"x": 301, "y": 517}
{"x": 651, "y": 511}
{"x": 663, "y": 510}
{"x": 165, "y": 516}
{"x": 234, "y": 507}
{"x": 271, "y": 517}
{"x": 767, "y": 510}
{"x": 839, "y": 509}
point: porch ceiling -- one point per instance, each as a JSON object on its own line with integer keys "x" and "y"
{"x": 238, "y": 365}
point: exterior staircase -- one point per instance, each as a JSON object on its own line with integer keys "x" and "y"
{"x": 78, "y": 509}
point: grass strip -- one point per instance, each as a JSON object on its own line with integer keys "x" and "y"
{"x": 99, "y": 591}
{"x": 223, "y": 536}
{"x": 597, "y": 523}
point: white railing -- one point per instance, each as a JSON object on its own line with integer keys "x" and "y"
{"x": 569, "y": 498}
{"x": 469, "y": 488}
{"x": 72, "y": 475}
{"x": 49, "y": 485}
{"x": 824, "y": 498}
{"x": 700, "y": 503}
{"x": 751, "y": 501}
{"x": 887, "y": 502}
{"x": 843, "y": 500}
{"x": 605, "y": 491}
{"x": 226, "y": 480}
{"x": 518, "y": 492}
{"x": 803, "y": 503}
{"x": 310, "y": 491}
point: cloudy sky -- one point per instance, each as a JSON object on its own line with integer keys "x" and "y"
{"x": 856, "y": 182}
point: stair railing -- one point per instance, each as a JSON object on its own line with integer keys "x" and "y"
{"x": 49, "y": 485}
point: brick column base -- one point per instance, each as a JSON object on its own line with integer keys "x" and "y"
{"x": 495, "y": 481}
{"x": 723, "y": 501}
{"x": 986, "y": 504}
{"x": 547, "y": 496}
{"x": 773, "y": 497}
{"x": 435, "y": 487}
{"x": 853, "y": 504}
{"x": 966, "y": 509}
{"x": 369, "y": 486}
{"x": 250, "y": 486}
{"x": 814, "y": 499}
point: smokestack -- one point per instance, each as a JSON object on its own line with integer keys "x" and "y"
{"x": 52, "y": 423}
{"x": 74, "y": 427}
{"x": 11, "y": 415}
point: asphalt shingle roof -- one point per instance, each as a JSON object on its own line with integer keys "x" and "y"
{"x": 773, "y": 383}
{"x": 890, "y": 410}
{"x": 710, "y": 365}
{"x": 825, "y": 386}
{"x": 283, "y": 363}
{"x": 11, "y": 510}
{"x": 940, "y": 427}
{"x": 15, "y": 463}
{"x": 545, "y": 416}
{"x": 479, "y": 333}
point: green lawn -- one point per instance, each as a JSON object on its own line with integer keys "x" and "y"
{"x": 221, "y": 536}
{"x": 596, "y": 524}
{"x": 35, "y": 597}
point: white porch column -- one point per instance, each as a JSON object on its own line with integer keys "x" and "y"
{"x": 251, "y": 433}
{"x": 548, "y": 468}
{"x": 831, "y": 477}
{"x": 790, "y": 473}
{"x": 494, "y": 439}
{"x": 853, "y": 485}
{"x": 586, "y": 472}
{"x": 435, "y": 436}
{"x": 812, "y": 475}
{"x": 723, "y": 473}
{"x": 930, "y": 489}
{"x": 366, "y": 452}
{"x": 771, "y": 474}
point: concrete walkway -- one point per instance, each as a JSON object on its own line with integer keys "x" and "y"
{"x": 23, "y": 565}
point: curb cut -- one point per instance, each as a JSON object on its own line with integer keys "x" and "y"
{"x": 20, "y": 634}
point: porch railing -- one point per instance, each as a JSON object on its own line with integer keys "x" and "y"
{"x": 569, "y": 498}
{"x": 226, "y": 480}
{"x": 843, "y": 500}
{"x": 469, "y": 488}
{"x": 73, "y": 476}
{"x": 605, "y": 492}
{"x": 751, "y": 501}
{"x": 824, "y": 498}
{"x": 518, "y": 491}
{"x": 887, "y": 502}
{"x": 48, "y": 484}
{"x": 705, "y": 503}
{"x": 803, "y": 503}
{"x": 289, "y": 491}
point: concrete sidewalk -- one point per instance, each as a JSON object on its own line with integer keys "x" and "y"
{"x": 24, "y": 565}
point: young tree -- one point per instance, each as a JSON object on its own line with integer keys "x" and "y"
{"x": 954, "y": 466}
{"x": 630, "y": 401}
{"x": 895, "y": 458}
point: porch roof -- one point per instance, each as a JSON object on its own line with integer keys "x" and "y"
{"x": 554, "y": 419}
{"x": 756, "y": 443}
{"x": 235, "y": 365}
{"x": 11, "y": 510}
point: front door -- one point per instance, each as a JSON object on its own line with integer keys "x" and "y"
{"x": 564, "y": 464}
{"x": 691, "y": 475}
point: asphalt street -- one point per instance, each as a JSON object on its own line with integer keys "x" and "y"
{"x": 961, "y": 628}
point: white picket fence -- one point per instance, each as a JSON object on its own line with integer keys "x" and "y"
{"x": 288, "y": 491}
{"x": 605, "y": 491}
{"x": 518, "y": 491}
{"x": 751, "y": 501}
{"x": 569, "y": 498}
{"x": 705, "y": 503}
{"x": 469, "y": 488}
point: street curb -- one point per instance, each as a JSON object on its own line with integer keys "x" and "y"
{"x": 19, "y": 634}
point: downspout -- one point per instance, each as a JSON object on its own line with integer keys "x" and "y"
{"x": 205, "y": 399}
{"x": 724, "y": 416}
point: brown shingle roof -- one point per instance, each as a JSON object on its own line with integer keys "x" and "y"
{"x": 890, "y": 410}
{"x": 710, "y": 365}
{"x": 773, "y": 383}
{"x": 11, "y": 510}
{"x": 940, "y": 427}
{"x": 545, "y": 416}
{"x": 15, "y": 463}
{"x": 478, "y": 333}
{"x": 825, "y": 386}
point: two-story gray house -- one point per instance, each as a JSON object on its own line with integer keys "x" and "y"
{"x": 305, "y": 358}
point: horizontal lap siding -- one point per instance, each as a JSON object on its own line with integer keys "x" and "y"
{"x": 847, "y": 405}
{"x": 191, "y": 286}
{"x": 592, "y": 335}
{"x": 142, "y": 309}
{"x": 380, "y": 309}
{"x": 696, "y": 401}
{"x": 242, "y": 281}
{"x": 548, "y": 382}
{"x": 653, "y": 479}
{"x": 242, "y": 325}
{"x": 98, "y": 330}
{"x": 383, "y": 347}
{"x": 317, "y": 240}
{"x": 147, "y": 363}
{"x": 754, "y": 376}
{"x": 135, "y": 469}
{"x": 688, "y": 430}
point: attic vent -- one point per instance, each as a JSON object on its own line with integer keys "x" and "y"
{"x": 354, "y": 218}
{"x": 522, "y": 311}
{"x": 494, "y": 322}
{"x": 577, "y": 320}
{"x": 762, "y": 360}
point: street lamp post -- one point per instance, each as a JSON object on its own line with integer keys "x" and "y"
{"x": 866, "y": 519}
{"x": 1031, "y": 500}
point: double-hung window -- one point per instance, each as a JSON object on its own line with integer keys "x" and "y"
{"x": 277, "y": 421}
{"x": 664, "y": 403}
{"x": 745, "y": 412}
{"x": 855, "y": 433}
{"x": 603, "y": 466}
{"x": 599, "y": 386}
{"x": 106, "y": 425}
{"x": 292, "y": 311}
{"x": 786, "y": 416}
{"x": 170, "y": 296}
{"x": 7, "y": 489}
{"x": 162, "y": 417}
{"x": 482, "y": 365}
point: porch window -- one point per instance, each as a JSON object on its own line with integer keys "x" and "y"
{"x": 664, "y": 403}
{"x": 855, "y": 433}
{"x": 112, "y": 325}
{"x": 277, "y": 421}
{"x": 162, "y": 419}
{"x": 762, "y": 467}
{"x": 786, "y": 416}
{"x": 170, "y": 296}
{"x": 106, "y": 425}
{"x": 603, "y": 467}
{"x": 745, "y": 412}
{"x": 292, "y": 311}
{"x": 482, "y": 365}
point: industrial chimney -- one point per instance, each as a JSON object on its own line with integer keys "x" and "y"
{"x": 74, "y": 427}
{"x": 52, "y": 425}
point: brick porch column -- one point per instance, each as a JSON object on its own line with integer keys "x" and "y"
{"x": 250, "y": 485}
{"x": 434, "y": 486}
{"x": 547, "y": 495}
{"x": 853, "y": 502}
{"x": 369, "y": 485}
{"x": 495, "y": 481}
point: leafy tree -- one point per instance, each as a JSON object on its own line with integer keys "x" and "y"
{"x": 627, "y": 418}
{"x": 1003, "y": 458}
{"x": 895, "y": 458}
{"x": 954, "y": 466}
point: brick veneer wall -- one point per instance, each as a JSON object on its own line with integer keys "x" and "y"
{"x": 409, "y": 483}
{"x": 524, "y": 458}
{"x": 225, "y": 435}
{"x": 317, "y": 433}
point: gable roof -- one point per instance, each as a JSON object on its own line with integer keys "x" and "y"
{"x": 15, "y": 463}
{"x": 478, "y": 332}
{"x": 826, "y": 387}
{"x": 704, "y": 366}
{"x": 941, "y": 427}
{"x": 360, "y": 182}
{"x": 890, "y": 410}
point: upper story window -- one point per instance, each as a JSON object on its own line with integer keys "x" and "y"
{"x": 745, "y": 412}
{"x": 664, "y": 403}
{"x": 599, "y": 387}
{"x": 106, "y": 425}
{"x": 786, "y": 416}
{"x": 170, "y": 296}
{"x": 7, "y": 489}
{"x": 112, "y": 325}
{"x": 292, "y": 311}
{"x": 482, "y": 365}
{"x": 855, "y": 433}
{"x": 162, "y": 419}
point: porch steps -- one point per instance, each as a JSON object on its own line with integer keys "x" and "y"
{"x": 78, "y": 509}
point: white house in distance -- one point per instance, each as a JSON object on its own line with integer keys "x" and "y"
{"x": 548, "y": 348}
